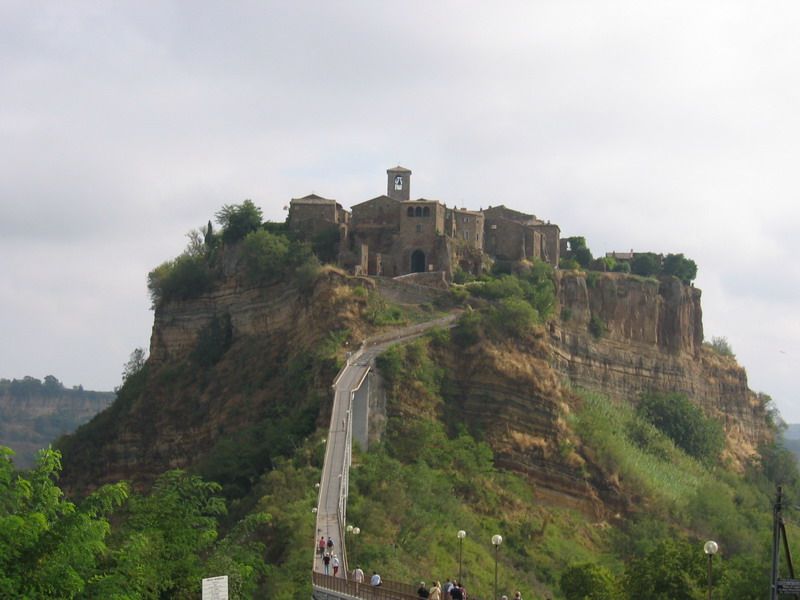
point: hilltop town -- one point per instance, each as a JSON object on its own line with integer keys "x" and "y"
{"x": 393, "y": 235}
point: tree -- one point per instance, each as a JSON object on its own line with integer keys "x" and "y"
{"x": 670, "y": 571}
{"x": 49, "y": 547}
{"x": 646, "y": 264}
{"x": 683, "y": 268}
{"x": 265, "y": 255}
{"x": 237, "y": 220}
{"x": 589, "y": 581}
{"x": 684, "y": 423}
{"x": 135, "y": 363}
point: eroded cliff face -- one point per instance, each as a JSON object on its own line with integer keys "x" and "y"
{"x": 653, "y": 341}
{"x": 180, "y": 408}
{"x": 29, "y": 423}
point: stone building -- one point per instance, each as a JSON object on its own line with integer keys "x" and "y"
{"x": 394, "y": 235}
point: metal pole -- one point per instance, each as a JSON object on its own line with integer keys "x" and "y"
{"x": 776, "y": 517}
{"x": 495, "y": 570}
{"x": 460, "y": 548}
{"x": 710, "y": 558}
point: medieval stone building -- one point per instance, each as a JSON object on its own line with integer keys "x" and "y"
{"x": 393, "y": 235}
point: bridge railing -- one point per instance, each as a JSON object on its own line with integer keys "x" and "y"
{"x": 388, "y": 590}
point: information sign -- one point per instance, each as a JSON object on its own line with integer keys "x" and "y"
{"x": 215, "y": 588}
{"x": 788, "y": 586}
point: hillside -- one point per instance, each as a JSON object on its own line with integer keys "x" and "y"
{"x": 33, "y": 414}
{"x": 522, "y": 420}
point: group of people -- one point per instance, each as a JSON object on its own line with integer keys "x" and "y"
{"x": 329, "y": 558}
{"x": 451, "y": 590}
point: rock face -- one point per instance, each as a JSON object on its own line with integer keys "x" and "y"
{"x": 651, "y": 340}
{"x": 33, "y": 420}
{"x": 647, "y": 337}
{"x": 261, "y": 340}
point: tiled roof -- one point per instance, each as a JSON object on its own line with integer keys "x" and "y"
{"x": 312, "y": 199}
{"x": 398, "y": 169}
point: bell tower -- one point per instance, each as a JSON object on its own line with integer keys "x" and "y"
{"x": 398, "y": 185}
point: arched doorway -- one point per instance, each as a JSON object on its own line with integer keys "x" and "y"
{"x": 418, "y": 261}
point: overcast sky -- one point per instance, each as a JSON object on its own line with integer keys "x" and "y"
{"x": 660, "y": 126}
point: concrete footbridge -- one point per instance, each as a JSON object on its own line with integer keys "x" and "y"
{"x": 349, "y": 421}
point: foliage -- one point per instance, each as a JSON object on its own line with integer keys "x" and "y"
{"x": 597, "y": 327}
{"x": 684, "y": 423}
{"x": 646, "y": 264}
{"x": 213, "y": 341}
{"x": 238, "y": 220}
{"x": 183, "y": 278}
{"x": 48, "y": 545}
{"x": 265, "y": 256}
{"x": 683, "y": 268}
{"x": 326, "y": 245}
{"x": 721, "y": 346}
{"x": 670, "y": 571}
{"x": 589, "y": 581}
{"x": 135, "y": 363}
{"x": 622, "y": 266}
{"x": 578, "y": 252}
{"x": 568, "y": 264}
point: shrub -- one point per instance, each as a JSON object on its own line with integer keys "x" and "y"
{"x": 683, "y": 268}
{"x": 568, "y": 264}
{"x": 468, "y": 330}
{"x": 684, "y": 423}
{"x": 592, "y": 278}
{"x": 622, "y": 267}
{"x": 589, "y": 581}
{"x": 597, "y": 327}
{"x": 721, "y": 346}
{"x": 326, "y": 245}
{"x": 213, "y": 341}
{"x": 566, "y": 314}
{"x": 238, "y": 220}
{"x": 646, "y": 264}
{"x": 180, "y": 279}
{"x": 513, "y": 316}
{"x": 505, "y": 286}
{"x": 265, "y": 256}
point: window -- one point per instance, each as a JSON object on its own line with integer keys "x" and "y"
{"x": 426, "y": 212}
{"x": 410, "y": 211}
{"x": 466, "y": 235}
{"x": 418, "y": 211}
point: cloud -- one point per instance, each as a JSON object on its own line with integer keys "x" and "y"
{"x": 667, "y": 127}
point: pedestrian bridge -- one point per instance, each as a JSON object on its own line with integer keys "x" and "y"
{"x": 349, "y": 418}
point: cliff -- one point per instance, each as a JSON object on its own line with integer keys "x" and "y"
{"x": 274, "y": 351}
{"x": 651, "y": 340}
{"x": 32, "y": 416}
{"x": 219, "y": 364}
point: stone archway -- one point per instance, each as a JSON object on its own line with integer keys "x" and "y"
{"x": 418, "y": 261}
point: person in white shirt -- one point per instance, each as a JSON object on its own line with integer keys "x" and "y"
{"x": 376, "y": 579}
{"x": 358, "y": 575}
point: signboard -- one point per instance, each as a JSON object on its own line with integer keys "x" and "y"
{"x": 215, "y": 588}
{"x": 788, "y": 586}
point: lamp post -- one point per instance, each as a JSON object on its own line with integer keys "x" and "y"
{"x": 355, "y": 531}
{"x": 461, "y": 535}
{"x": 710, "y": 548}
{"x": 496, "y": 541}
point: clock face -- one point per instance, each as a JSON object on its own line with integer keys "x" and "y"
{"x": 398, "y": 182}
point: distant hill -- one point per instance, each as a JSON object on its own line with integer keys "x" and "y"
{"x": 34, "y": 413}
{"x": 792, "y": 432}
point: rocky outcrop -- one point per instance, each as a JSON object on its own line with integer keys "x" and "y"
{"x": 30, "y": 422}
{"x": 649, "y": 337}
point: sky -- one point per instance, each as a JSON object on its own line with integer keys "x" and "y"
{"x": 654, "y": 126}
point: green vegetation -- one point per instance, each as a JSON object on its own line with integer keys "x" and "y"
{"x": 268, "y": 253}
{"x": 721, "y": 346}
{"x": 508, "y": 305}
{"x": 162, "y": 544}
{"x": 597, "y": 327}
{"x": 684, "y": 423}
{"x": 238, "y": 220}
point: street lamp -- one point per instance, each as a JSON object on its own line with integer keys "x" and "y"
{"x": 496, "y": 541}
{"x": 710, "y": 548}
{"x": 461, "y": 535}
{"x": 355, "y": 531}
